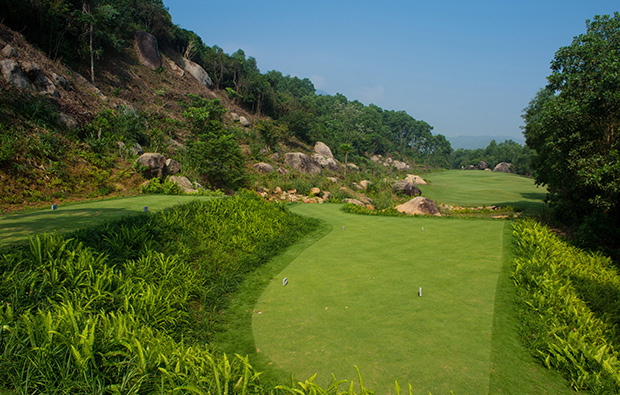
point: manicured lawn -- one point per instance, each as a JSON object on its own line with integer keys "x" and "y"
{"x": 352, "y": 300}
{"x": 477, "y": 188}
{"x": 69, "y": 217}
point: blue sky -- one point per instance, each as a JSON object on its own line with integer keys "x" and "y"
{"x": 465, "y": 67}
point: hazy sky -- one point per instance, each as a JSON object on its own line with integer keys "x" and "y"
{"x": 465, "y": 67}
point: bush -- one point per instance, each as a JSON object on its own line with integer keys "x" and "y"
{"x": 156, "y": 187}
{"x": 570, "y": 308}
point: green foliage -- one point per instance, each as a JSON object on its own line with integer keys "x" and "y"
{"x": 573, "y": 126}
{"x": 156, "y": 187}
{"x": 215, "y": 155}
{"x": 126, "y": 307}
{"x": 509, "y": 151}
{"x": 570, "y": 308}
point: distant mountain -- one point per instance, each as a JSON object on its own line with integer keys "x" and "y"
{"x": 320, "y": 92}
{"x": 474, "y": 142}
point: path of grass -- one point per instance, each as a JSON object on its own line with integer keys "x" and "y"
{"x": 73, "y": 216}
{"x": 352, "y": 300}
{"x": 477, "y": 188}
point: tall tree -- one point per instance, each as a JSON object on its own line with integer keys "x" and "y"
{"x": 573, "y": 124}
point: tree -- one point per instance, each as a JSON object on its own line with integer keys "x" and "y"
{"x": 573, "y": 125}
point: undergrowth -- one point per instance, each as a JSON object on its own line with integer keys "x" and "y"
{"x": 571, "y": 308}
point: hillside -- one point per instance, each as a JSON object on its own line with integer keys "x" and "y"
{"x": 65, "y": 138}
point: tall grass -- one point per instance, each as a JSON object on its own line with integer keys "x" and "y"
{"x": 571, "y": 308}
{"x": 129, "y": 306}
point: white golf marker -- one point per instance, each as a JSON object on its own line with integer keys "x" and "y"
{"x": 285, "y": 281}
{"x": 420, "y": 291}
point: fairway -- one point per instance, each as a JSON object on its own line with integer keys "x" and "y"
{"x": 477, "y": 188}
{"x": 68, "y": 217}
{"x": 352, "y": 299}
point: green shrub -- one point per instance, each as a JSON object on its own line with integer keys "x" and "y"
{"x": 127, "y": 306}
{"x": 156, "y": 187}
{"x": 570, "y": 308}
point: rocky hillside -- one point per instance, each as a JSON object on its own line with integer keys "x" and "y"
{"x": 66, "y": 137}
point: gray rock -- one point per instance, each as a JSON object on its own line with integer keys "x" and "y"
{"x": 333, "y": 179}
{"x": 326, "y": 162}
{"x": 244, "y": 121}
{"x": 235, "y": 116}
{"x": 469, "y": 167}
{"x": 327, "y": 195}
{"x": 67, "y": 121}
{"x": 147, "y": 50}
{"x": 40, "y": 81}
{"x": 482, "y": 165}
{"x": 503, "y": 167}
{"x": 322, "y": 149}
{"x": 354, "y": 201}
{"x": 275, "y": 156}
{"x": 400, "y": 165}
{"x": 365, "y": 184}
{"x": 13, "y": 73}
{"x": 301, "y": 162}
{"x": 184, "y": 183}
{"x": 419, "y": 206}
{"x": 406, "y": 187}
{"x": 61, "y": 81}
{"x": 9, "y": 52}
{"x": 415, "y": 179}
{"x": 172, "y": 167}
{"x": 353, "y": 166}
{"x": 153, "y": 164}
{"x": 196, "y": 71}
{"x": 282, "y": 171}
{"x": 263, "y": 167}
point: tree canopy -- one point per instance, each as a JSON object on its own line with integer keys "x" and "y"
{"x": 573, "y": 123}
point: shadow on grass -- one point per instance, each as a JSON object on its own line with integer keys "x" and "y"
{"x": 18, "y": 228}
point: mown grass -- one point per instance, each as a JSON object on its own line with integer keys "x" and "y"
{"x": 68, "y": 217}
{"x": 352, "y": 301}
{"x": 484, "y": 188}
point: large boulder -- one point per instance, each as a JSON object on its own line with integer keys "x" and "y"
{"x": 407, "y": 187}
{"x": 13, "y": 73}
{"x": 415, "y": 179}
{"x": 153, "y": 164}
{"x": 196, "y": 71}
{"x": 184, "y": 183}
{"x": 326, "y": 162}
{"x": 400, "y": 165}
{"x": 40, "y": 81}
{"x": 263, "y": 167}
{"x": 171, "y": 167}
{"x": 147, "y": 50}
{"x": 503, "y": 167}
{"x": 419, "y": 206}
{"x": 482, "y": 165}
{"x": 322, "y": 149}
{"x": 302, "y": 163}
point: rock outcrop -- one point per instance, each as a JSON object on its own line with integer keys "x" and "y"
{"x": 147, "y": 50}
{"x": 326, "y": 162}
{"x": 196, "y": 71}
{"x": 417, "y": 180}
{"x": 184, "y": 183}
{"x": 13, "y": 73}
{"x": 302, "y": 163}
{"x": 503, "y": 167}
{"x": 171, "y": 167}
{"x": 322, "y": 149}
{"x": 263, "y": 167}
{"x": 406, "y": 187}
{"x": 153, "y": 164}
{"x": 419, "y": 206}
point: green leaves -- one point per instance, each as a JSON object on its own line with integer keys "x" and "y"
{"x": 570, "y": 308}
